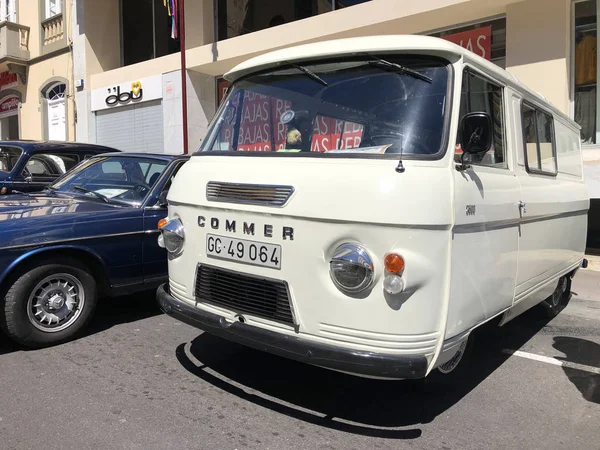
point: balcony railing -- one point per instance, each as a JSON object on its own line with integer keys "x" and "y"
{"x": 53, "y": 30}
{"x": 14, "y": 41}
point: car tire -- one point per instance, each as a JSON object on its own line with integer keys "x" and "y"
{"x": 452, "y": 372}
{"x": 559, "y": 299}
{"x": 48, "y": 304}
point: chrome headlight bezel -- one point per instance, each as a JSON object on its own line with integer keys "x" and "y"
{"x": 172, "y": 237}
{"x": 354, "y": 257}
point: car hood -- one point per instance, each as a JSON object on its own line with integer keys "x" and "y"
{"x": 38, "y": 219}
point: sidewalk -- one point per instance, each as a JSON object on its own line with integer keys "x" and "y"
{"x": 593, "y": 262}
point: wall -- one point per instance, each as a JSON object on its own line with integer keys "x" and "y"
{"x": 28, "y": 14}
{"x": 538, "y": 51}
{"x": 201, "y": 94}
{"x": 38, "y": 76}
{"x": 102, "y": 30}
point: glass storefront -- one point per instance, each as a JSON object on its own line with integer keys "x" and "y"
{"x": 487, "y": 39}
{"x": 585, "y": 70}
{"x": 237, "y": 17}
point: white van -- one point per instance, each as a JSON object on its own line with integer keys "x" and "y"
{"x": 364, "y": 204}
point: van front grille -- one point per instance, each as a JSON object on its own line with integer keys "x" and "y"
{"x": 255, "y": 194}
{"x": 242, "y": 293}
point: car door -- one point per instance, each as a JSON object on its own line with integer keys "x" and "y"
{"x": 155, "y": 258}
{"x": 485, "y": 236}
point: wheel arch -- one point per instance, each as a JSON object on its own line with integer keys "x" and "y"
{"x": 87, "y": 256}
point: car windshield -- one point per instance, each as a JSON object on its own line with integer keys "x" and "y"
{"x": 368, "y": 106}
{"x": 119, "y": 179}
{"x": 9, "y": 156}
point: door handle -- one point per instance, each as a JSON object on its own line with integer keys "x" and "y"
{"x": 522, "y": 207}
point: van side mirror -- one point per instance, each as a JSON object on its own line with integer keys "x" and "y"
{"x": 476, "y": 133}
{"x": 162, "y": 199}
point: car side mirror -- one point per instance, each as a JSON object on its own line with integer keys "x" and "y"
{"x": 476, "y": 132}
{"x": 162, "y": 199}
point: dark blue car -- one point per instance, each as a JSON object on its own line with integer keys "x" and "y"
{"x": 91, "y": 233}
{"x": 30, "y": 166}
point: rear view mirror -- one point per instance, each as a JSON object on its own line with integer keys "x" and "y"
{"x": 476, "y": 133}
{"x": 162, "y": 199}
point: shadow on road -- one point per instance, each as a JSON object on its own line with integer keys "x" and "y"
{"x": 581, "y": 351}
{"x": 109, "y": 313}
{"x": 344, "y": 402}
{"x": 120, "y": 310}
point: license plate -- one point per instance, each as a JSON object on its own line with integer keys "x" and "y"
{"x": 240, "y": 250}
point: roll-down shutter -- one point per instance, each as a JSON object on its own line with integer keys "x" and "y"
{"x": 133, "y": 128}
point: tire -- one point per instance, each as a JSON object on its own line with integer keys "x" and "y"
{"x": 559, "y": 299}
{"x": 48, "y": 304}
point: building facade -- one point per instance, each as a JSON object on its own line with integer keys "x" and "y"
{"x": 127, "y": 65}
{"x": 36, "y": 89}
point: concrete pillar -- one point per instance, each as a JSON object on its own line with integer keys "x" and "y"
{"x": 538, "y": 47}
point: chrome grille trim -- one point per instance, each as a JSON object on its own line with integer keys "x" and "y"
{"x": 243, "y": 293}
{"x": 253, "y": 194}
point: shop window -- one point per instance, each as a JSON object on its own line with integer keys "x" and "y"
{"x": 150, "y": 30}
{"x": 487, "y": 39}
{"x": 53, "y": 8}
{"x": 236, "y": 18}
{"x": 539, "y": 140}
{"x": 586, "y": 69}
{"x": 481, "y": 95}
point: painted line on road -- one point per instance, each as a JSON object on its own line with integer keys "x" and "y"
{"x": 554, "y": 361}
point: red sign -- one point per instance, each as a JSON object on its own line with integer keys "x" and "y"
{"x": 478, "y": 41}
{"x": 222, "y": 86}
{"x": 8, "y": 79}
{"x": 9, "y": 104}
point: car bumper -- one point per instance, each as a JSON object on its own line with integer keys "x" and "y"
{"x": 358, "y": 362}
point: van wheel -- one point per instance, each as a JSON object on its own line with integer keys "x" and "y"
{"x": 554, "y": 304}
{"x": 49, "y": 304}
{"x": 455, "y": 369}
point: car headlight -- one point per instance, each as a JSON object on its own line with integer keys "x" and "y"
{"x": 351, "y": 268}
{"x": 172, "y": 236}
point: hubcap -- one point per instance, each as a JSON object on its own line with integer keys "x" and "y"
{"x": 56, "y": 302}
{"x": 453, "y": 363}
{"x": 557, "y": 295}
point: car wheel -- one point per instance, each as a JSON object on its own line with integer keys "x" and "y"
{"x": 554, "y": 304}
{"x": 49, "y": 304}
{"x": 453, "y": 371}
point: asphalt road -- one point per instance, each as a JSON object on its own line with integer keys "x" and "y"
{"x": 141, "y": 380}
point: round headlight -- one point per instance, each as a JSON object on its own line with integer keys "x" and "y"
{"x": 173, "y": 237}
{"x": 351, "y": 268}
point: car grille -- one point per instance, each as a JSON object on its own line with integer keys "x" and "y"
{"x": 239, "y": 293}
{"x": 255, "y": 194}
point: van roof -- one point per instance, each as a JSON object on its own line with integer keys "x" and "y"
{"x": 383, "y": 44}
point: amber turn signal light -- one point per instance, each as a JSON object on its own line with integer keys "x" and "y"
{"x": 3, "y": 191}
{"x": 394, "y": 263}
{"x": 162, "y": 223}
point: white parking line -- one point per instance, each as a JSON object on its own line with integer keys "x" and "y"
{"x": 554, "y": 361}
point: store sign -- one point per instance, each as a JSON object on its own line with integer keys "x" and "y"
{"x": 9, "y": 104}
{"x": 128, "y": 93}
{"x": 478, "y": 41}
{"x": 8, "y": 80}
{"x": 222, "y": 86}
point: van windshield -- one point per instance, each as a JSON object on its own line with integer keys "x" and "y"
{"x": 375, "y": 105}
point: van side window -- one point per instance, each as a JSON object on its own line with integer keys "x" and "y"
{"x": 482, "y": 95}
{"x": 539, "y": 141}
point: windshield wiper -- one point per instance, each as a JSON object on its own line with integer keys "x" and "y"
{"x": 310, "y": 73}
{"x": 384, "y": 64}
{"x": 14, "y": 191}
{"x": 89, "y": 191}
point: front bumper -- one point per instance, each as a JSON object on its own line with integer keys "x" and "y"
{"x": 364, "y": 363}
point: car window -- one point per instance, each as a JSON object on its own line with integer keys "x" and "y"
{"x": 9, "y": 157}
{"x": 153, "y": 173}
{"x": 481, "y": 95}
{"x": 51, "y": 164}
